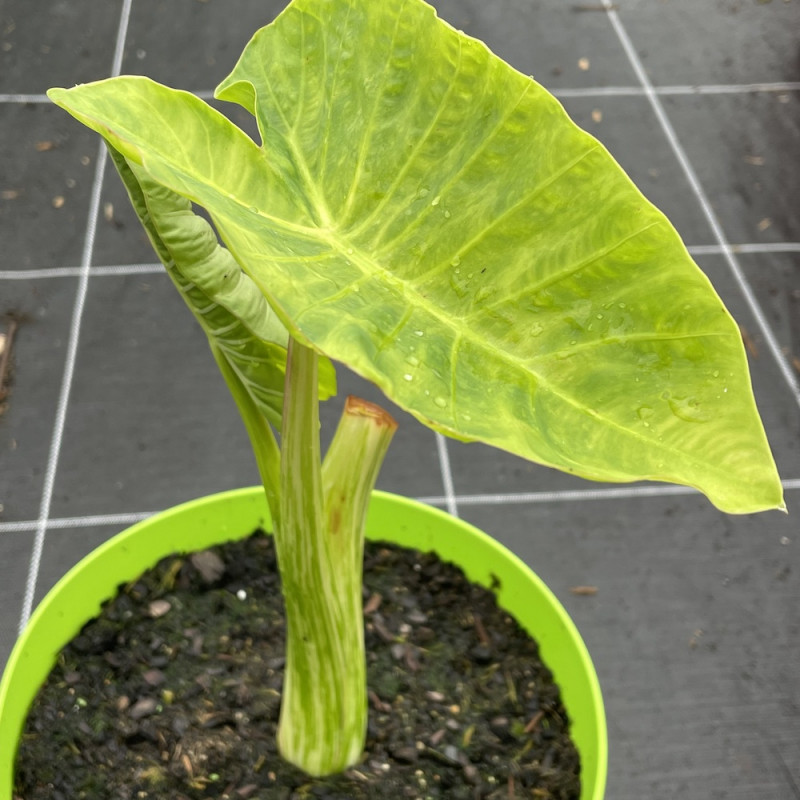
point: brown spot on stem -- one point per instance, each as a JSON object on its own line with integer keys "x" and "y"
{"x": 358, "y": 407}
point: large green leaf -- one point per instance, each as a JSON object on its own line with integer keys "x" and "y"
{"x": 426, "y": 214}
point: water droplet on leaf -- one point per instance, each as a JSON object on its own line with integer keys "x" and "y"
{"x": 688, "y": 409}
{"x": 440, "y": 401}
{"x": 644, "y": 412}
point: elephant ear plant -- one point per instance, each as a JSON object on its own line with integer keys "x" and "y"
{"x": 431, "y": 218}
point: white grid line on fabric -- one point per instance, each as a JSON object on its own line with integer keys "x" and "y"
{"x": 88, "y": 521}
{"x": 697, "y": 189}
{"x": 671, "y": 91}
{"x": 751, "y": 248}
{"x": 578, "y": 495}
{"x": 29, "y": 99}
{"x": 775, "y": 87}
{"x": 72, "y": 349}
{"x": 754, "y": 248}
{"x": 447, "y": 475}
{"x": 488, "y": 499}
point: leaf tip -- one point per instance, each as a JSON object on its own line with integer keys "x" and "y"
{"x": 55, "y": 94}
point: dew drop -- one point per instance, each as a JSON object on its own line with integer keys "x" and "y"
{"x": 455, "y": 262}
{"x": 419, "y": 333}
{"x": 644, "y": 412}
{"x": 413, "y": 360}
{"x": 457, "y": 285}
{"x": 408, "y": 377}
{"x": 599, "y": 316}
{"x": 349, "y": 251}
{"x": 447, "y": 215}
{"x": 440, "y": 401}
{"x": 435, "y": 201}
{"x": 466, "y": 417}
{"x": 716, "y": 373}
{"x": 254, "y": 209}
{"x": 688, "y": 409}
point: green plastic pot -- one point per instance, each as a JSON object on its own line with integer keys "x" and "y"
{"x": 78, "y": 596}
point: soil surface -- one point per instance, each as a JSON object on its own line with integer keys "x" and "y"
{"x": 174, "y": 692}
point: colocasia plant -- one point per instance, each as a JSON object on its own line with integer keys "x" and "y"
{"x": 424, "y": 214}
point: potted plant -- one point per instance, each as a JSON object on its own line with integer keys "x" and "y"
{"x": 431, "y": 218}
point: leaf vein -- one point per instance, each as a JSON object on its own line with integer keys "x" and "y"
{"x": 442, "y": 190}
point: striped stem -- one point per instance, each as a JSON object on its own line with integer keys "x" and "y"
{"x": 320, "y": 545}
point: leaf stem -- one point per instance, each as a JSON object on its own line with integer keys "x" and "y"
{"x": 262, "y": 438}
{"x": 320, "y": 542}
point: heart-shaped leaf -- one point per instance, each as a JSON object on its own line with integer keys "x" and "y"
{"x": 429, "y": 216}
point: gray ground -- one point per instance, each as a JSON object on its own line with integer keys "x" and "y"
{"x": 695, "y": 627}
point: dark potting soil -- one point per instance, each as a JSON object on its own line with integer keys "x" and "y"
{"x": 174, "y": 692}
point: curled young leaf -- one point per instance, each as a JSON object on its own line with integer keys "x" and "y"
{"x": 230, "y": 308}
